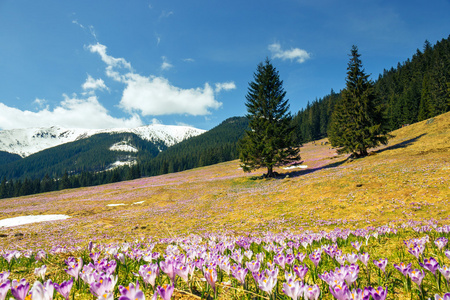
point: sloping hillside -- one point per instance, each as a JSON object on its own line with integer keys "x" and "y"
{"x": 407, "y": 179}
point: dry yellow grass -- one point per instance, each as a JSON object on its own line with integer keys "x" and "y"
{"x": 407, "y": 179}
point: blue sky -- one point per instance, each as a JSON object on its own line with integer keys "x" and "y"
{"x": 111, "y": 63}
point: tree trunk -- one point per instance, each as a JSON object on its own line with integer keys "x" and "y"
{"x": 270, "y": 173}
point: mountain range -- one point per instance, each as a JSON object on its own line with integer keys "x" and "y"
{"x": 154, "y": 149}
{"x": 26, "y": 142}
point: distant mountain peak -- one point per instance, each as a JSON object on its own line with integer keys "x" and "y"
{"x": 25, "y": 142}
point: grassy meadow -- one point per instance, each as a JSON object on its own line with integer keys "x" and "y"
{"x": 399, "y": 193}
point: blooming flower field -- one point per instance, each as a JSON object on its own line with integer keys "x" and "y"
{"x": 369, "y": 228}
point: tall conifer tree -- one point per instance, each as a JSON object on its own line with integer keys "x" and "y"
{"x": 270, "y": 142}
{"x": 356, "y": 123}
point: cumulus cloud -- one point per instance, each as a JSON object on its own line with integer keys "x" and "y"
{"x": 94, "y": 84}
{"x": 296, "y": 54}
{"x": 226, "y": 86}
{"x": 156, "y": 96}
{"x": 72, "y": 112}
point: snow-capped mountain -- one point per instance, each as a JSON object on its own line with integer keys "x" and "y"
{"x": 25, "y": 142}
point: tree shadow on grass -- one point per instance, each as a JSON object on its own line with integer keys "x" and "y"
{"x": 403, "y": 144}
{"x": 298, "y": 173}
{"x": 294, "y": 174}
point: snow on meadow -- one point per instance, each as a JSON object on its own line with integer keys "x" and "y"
{"x": 16, "y": 221}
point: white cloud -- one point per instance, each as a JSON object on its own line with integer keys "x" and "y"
{"x": 109, "y": 60}
{"x": 155, "y": 96}
{"x": 297, "y": 54}
{"x": 72, "y": 112}
{"x": 188, "y": 60}
{"x": 166, "y": 64}
{"x": 94, "y": 84}
{"x": 40, "y": 102}
{"x": 226, "y": 86}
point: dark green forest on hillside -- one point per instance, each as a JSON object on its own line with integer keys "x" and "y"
{"x": 82, "y": 159}
{"x": 417, "y": 89}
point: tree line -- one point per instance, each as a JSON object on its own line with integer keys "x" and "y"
{"x": 415, "y": 90}
{"x": 214, "y": 146}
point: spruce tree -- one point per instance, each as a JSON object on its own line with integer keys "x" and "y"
{"x": 356, "y": 123}
{"x": 270, "y": 142}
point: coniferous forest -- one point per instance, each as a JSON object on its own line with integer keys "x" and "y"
{"x": 415, "y": 90}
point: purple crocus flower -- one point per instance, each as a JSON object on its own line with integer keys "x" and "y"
{"x": 149, "y": 273}
{"x": 404, "y": 269}
{"x": 131, "y": 292}
{"x": 445, "y": 271}
{"x": 447, "y": 253}
{"x": 40, "y": 272}
{"x": 4, "y": 288}
{"x": 351, "y": 274}
{"x": 360, "y": 294}
{"x": 4, "y": 276}
{"x": 168, "y": 267}
{"x": 182, "y": 270}
{"x": 417, "y": 276}
{"x": 290, "y": 259}
{"x": 301, "y": 271}
{"x": 253, "y": 266}
{"x": 267, "y": 283}
{"x": 441, "y": 242}
{"x": 64, "y": 288}
{"x": 315, "y": 257}
{"x": 340, "y": 291}
{"x": 379, "y": 293}
{"x": 19, "y": 289}
{"x": 42, "y": 291}
{"x": 280, "y": 260}
{"x": 352, "y": 258}
{"x": 240, "y": 274}
{"x": 300, "y": 256}
{"x": 382, "y": 263}
{"x": 364, "y": 258}
{"x": 95, "y": 256}
{"x": 357, "y": 245}
{"x": 74, "y": 267}
{"x": 445, "y": 297}
{"x": 311, "y": 292}
{"x": 110, "y": 267}
{"x": 165, "y": 291}
{"x": 416, "y": 250}
{"x": 430, "y": 264}
{"x": 293, "y": 289}
{"x": 40, "y": 255}
{"x": 341, "y": 259}
{"x": 105, "y": 284}
{"x": 211, "y": 277}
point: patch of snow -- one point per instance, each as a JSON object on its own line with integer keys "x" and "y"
{"x": 123, "y": 146}
{"x": 119, "y": 164}
{"x": 140, "y": 202}
{"x": 10, "y": 222}
{"x": 296, "y": 167}
{"x": 115, "y": 204}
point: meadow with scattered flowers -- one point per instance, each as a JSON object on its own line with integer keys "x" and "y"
{"x": 336, "y": 228}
